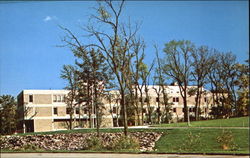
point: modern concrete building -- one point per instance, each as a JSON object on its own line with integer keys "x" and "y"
{"x": 46, "y": 110}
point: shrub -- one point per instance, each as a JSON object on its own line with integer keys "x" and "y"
{"x": 30, "y": 147}
{"x": 191, "y": 142}
{"x": 226, "y": 140}
{"x": 94, "y": 143}
{"x": 125, "y": 143}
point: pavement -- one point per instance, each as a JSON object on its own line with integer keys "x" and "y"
{"x": 109, "y": 155}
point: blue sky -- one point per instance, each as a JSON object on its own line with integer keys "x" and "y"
{"x": 29, "y": 58}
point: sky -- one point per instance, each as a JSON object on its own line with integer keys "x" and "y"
{"x": 29, "y": 34}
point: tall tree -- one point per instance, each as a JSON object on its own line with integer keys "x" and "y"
{"x": 115, "y": 44}
{"x": 68, "y": 74}
{"x": 177, "y": 65}
{"x": 161, "y": 90}
{"x": 8, "y": 107}
{"x": 243, "y": 103}
{"x": 201, "y": 63}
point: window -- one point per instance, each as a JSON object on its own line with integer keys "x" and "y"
{"x": 59, "y": 98}
{"x": 63, "y": 98}
{"x": 68, "y": 110}
{"x": 54, "y": 98}
{"x": 183, "y": 109}
{"x": 55, "y": 111}
{"x": 205, "y": 100}
{"x": 157, "y": 99}
{"x": 114, "y": 110}
{"x": 85, "y": 111}
{"x": 174, "y": 110}
{"x": 31, "y": 98}
{"x": 77, "y": 111}
{"x": 176, "y": 99}
{"x": 190, "y": 109}
{"x": 146, "y": 100}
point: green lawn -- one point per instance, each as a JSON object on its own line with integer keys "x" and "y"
{"x": 232, "y": 122}
{"x": 174, "y": 140}
{"x": 178, "y": 141}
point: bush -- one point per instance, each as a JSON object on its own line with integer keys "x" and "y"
{"x": 94, "y": 143}
{"x": 29, "y": 147}
{"x": 125, "y": 143}
{"x": 226, "y": 140}
{"x": 191, "y": 142}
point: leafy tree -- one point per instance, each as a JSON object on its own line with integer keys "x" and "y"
{"x": 201, "y": 63}
{"x": 8, "y": 107}
{"x": 177, "y": 65}
{"x": 68, "y": 74}
{"x": 160, "y": 89}
{"x": 243, "y": 103}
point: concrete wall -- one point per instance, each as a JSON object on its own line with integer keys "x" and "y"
{"x": 42, "y": 125}
{"x": 43, "y": 111}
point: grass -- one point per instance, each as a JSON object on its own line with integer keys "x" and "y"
{"x": 232, "y": 122}
{"x": 174, "y": 140}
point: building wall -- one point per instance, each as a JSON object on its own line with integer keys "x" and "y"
{"x": 41, "y": 109}
{"x": 42, "y": 125}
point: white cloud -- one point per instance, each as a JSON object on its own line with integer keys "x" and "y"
{"x": 49, "y": 18}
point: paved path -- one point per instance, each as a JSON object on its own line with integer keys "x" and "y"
{"x": 100, "y": 155}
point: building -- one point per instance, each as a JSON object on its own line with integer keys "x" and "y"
{"x": 46, "y": 110}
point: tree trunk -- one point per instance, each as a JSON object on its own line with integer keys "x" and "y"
{"x": 125, "y": 119}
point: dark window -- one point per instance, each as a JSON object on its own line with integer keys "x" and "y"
{"x": 190, "y": 110}
{"x": 55, "y": 111}
{"x": 68, "y": 110}
{"x": 77, "y": 110}
{"x": 85, "y": 111}
{"x": 114, "y": 110}
{"x": 183, "y": 109}
{"x": 157, "y": 99}
{"x": 205, "y": 99}
{"x": 30, "y": 98}
{"x": 175, "y": 99}
{"x": 174, "y": 109}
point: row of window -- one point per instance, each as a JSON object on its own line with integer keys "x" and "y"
{"x": 68, "y": 110}
{"x": 56, "y": 98}
{"x": 190, "y": 109}
{"x": 61, "y": 98}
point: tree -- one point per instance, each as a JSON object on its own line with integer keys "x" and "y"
{"x": 177, "y": 65}
{"x": 8, "y": 107}
{"x": 243, "y": 103}
{"x": 160, "y": 89}
{"x": 116, "y": 45}
{"x": 201, "y": 63}
{"x": 68, "y": 73}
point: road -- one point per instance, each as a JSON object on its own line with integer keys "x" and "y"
{"x": 108, "y": 155}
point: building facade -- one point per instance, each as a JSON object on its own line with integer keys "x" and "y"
{"x": 46, "y": 110}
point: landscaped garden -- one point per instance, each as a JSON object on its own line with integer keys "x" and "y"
{"x": 162, "y": 140}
